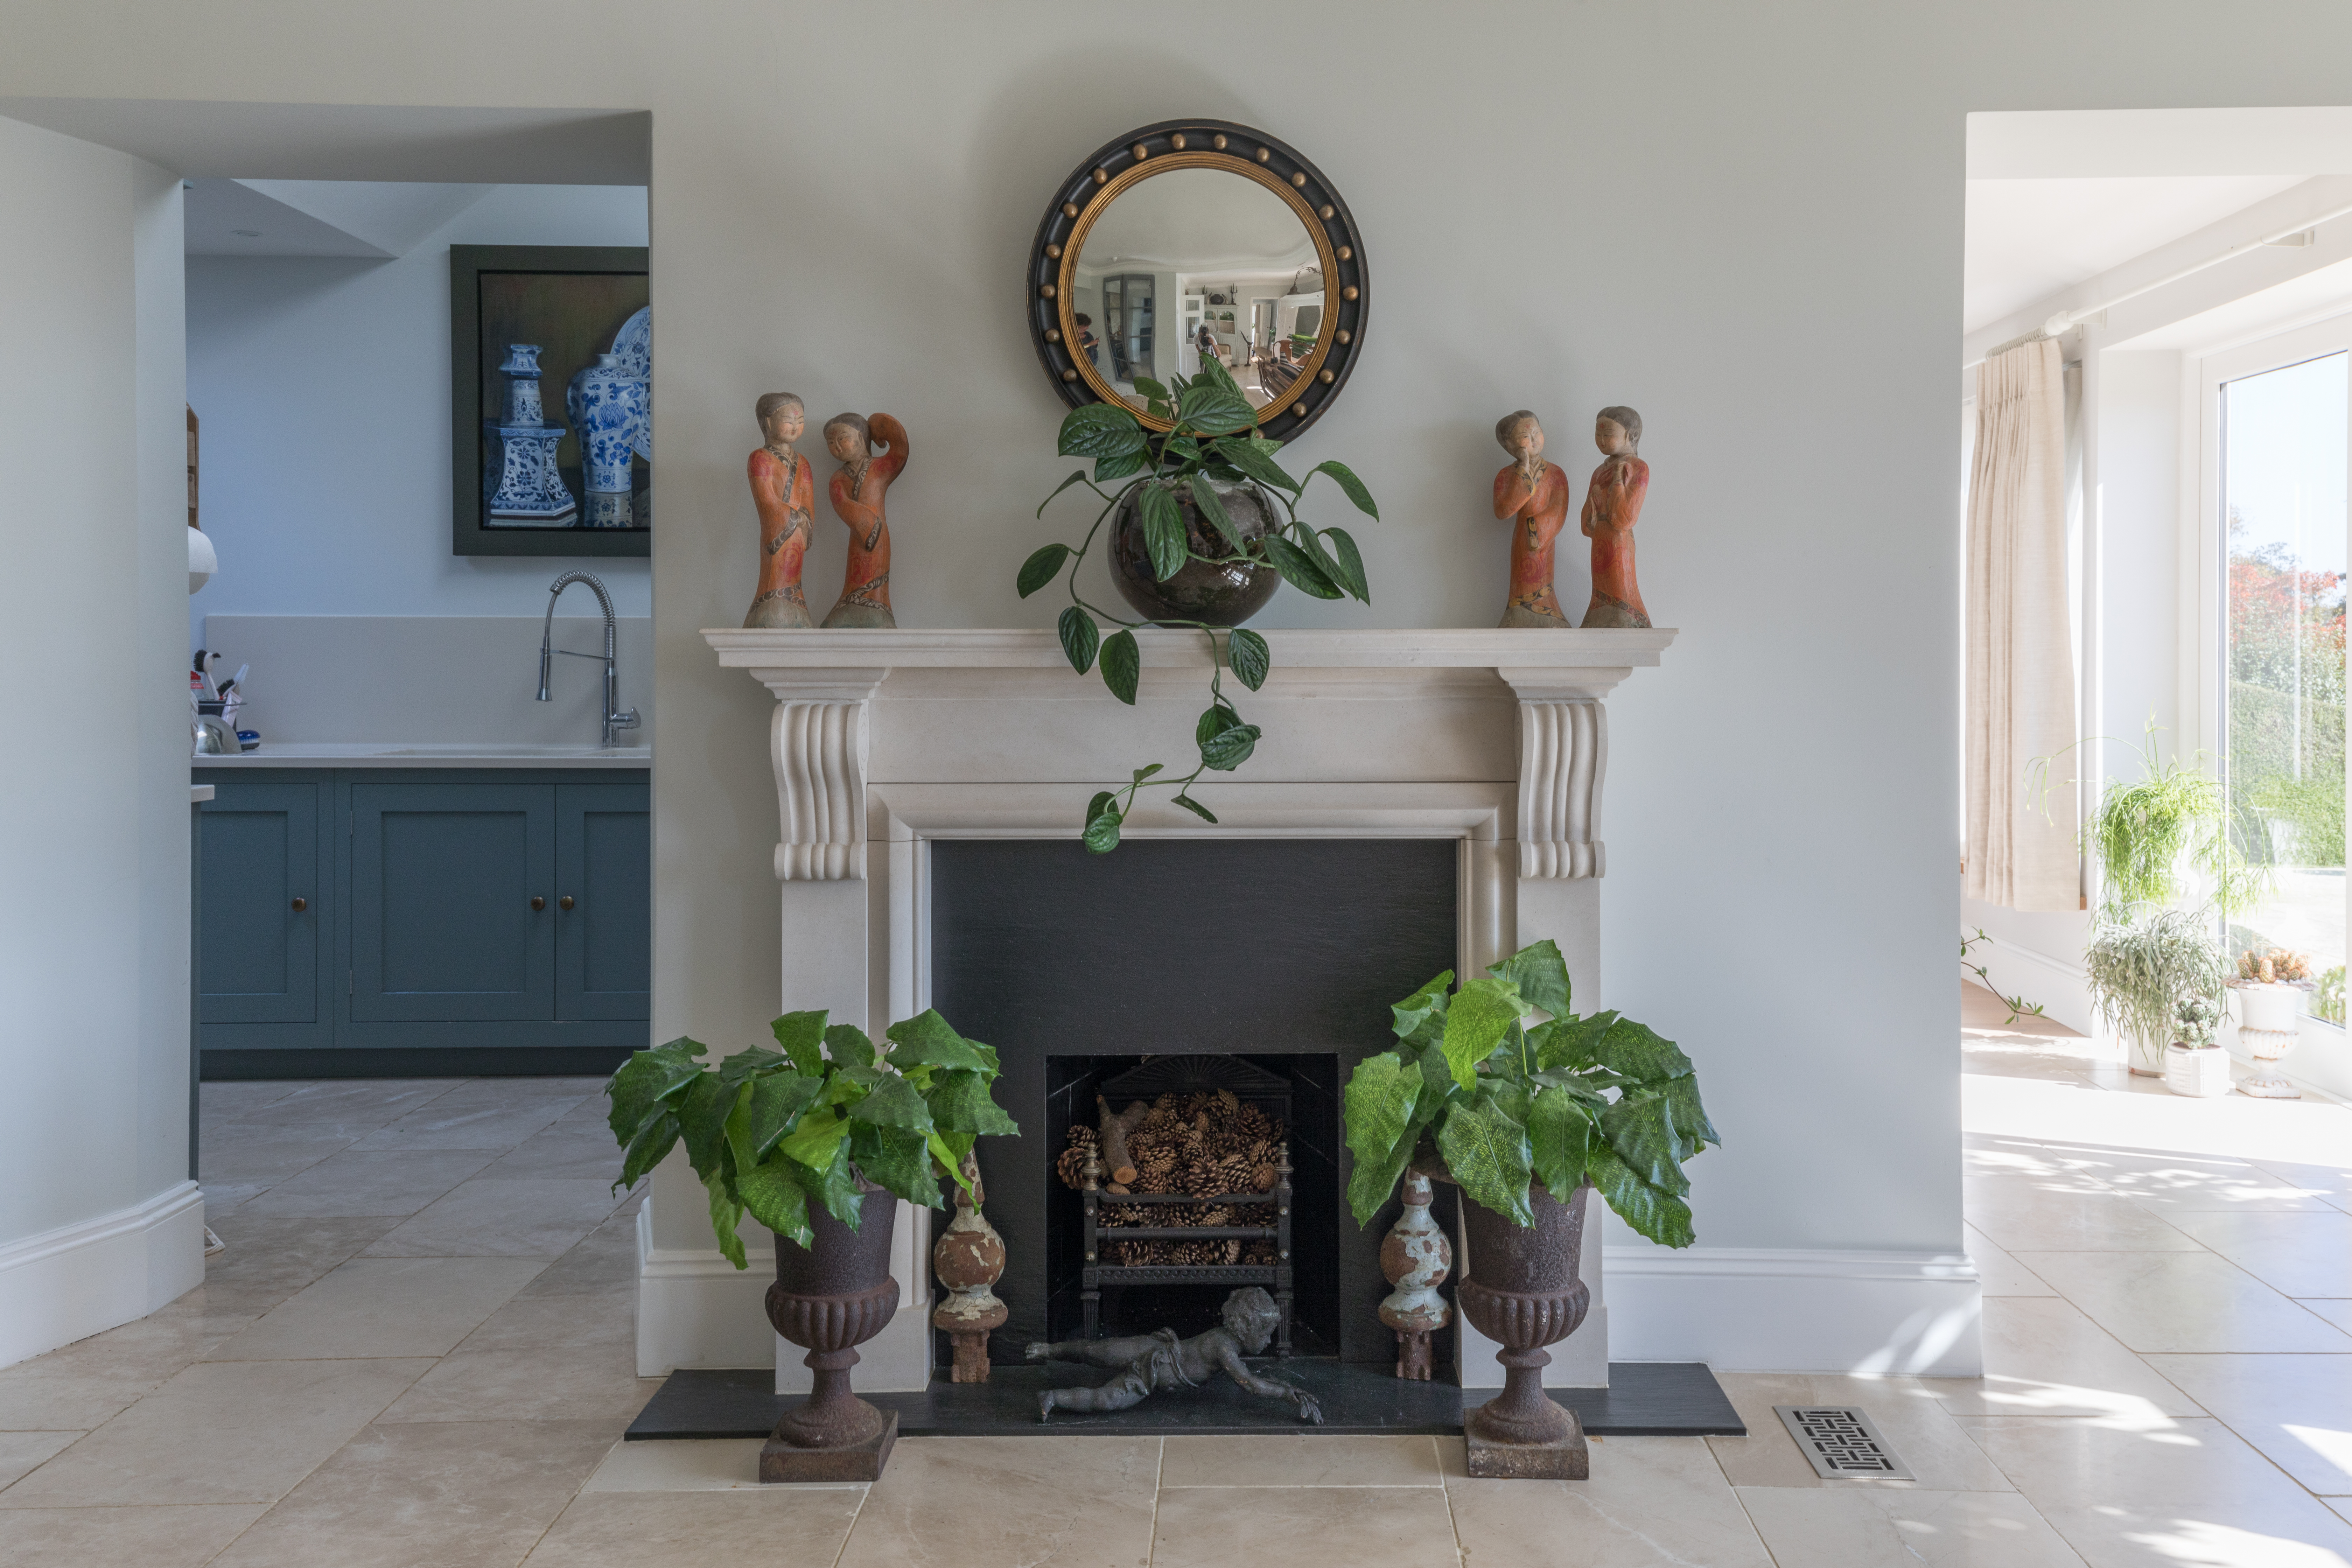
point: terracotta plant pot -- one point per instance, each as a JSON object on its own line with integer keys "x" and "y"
{"x": 1219, "y": 596}
{"x": 1522, "y": 1291}
{"x": 829, "y": 1299}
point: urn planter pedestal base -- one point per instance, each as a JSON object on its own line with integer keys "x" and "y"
{"x": 1564, "y": 1459}
{"x": 781, "y": 1461}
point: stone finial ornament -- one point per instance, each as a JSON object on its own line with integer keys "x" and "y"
{"x": 1534, "y": 495}
{"x": 1416, "y": 1258}
{"x": 1612, "y": 505}
{"x": 968, "y": 1259}
{"x": 784, "y": 490}
{"x": 857, "y": 492}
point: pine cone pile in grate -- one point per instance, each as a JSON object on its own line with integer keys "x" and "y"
{"x": 1072, "y": 1164}
{"x": 1206, "y": 1145}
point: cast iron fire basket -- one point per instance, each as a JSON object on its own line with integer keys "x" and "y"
{"x": 1184, "y": 1075}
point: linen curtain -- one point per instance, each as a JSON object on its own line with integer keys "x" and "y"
{"x": 2020, "y": 851}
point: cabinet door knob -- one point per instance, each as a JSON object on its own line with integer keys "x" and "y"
{"x": 301, "y": 904}
{"x": 537, "y": 902}
{"x": 564, "y": 902}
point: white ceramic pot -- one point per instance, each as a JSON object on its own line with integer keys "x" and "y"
{"x": 2201, "y": 1072}
{"x": 2267, "y": 1030}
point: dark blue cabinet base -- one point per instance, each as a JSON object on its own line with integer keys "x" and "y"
{"x": 424, "y": 923}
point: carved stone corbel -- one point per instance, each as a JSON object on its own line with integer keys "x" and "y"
{"x": 1563, "y": 758}
{"x": 817, "y": 742}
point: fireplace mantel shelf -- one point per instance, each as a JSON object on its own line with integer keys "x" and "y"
{"x": 1442, "y": 647}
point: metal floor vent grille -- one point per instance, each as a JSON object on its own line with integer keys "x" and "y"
{"x": 1842, "y": 1443}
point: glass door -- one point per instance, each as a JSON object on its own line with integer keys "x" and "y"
{"x": 2283, "y": 461}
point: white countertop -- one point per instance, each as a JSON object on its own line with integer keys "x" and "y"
{"x": 429, "y": 754}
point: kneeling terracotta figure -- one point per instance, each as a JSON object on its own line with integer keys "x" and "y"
{"x": 1162, "y": 1361}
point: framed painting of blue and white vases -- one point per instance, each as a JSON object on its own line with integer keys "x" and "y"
{"x": 552, "y": 399}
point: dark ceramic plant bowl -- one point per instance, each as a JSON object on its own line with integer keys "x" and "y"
{"x": 1218, "y": 595}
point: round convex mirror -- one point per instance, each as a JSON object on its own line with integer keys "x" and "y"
{"x": 1193, "y": 240}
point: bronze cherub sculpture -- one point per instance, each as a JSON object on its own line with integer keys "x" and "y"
{"x": 1162, "y": 1361}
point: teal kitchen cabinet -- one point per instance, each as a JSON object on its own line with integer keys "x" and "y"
{"x": 457, "y": 921}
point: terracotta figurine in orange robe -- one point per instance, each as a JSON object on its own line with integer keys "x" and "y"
{"x": 783, "y": 488}
{"x": 1534, "y": 495}
{"x": 857, "y": 490}
{"x": 1612, "y": 505}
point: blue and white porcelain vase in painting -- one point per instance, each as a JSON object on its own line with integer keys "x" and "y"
{"x": 608, "y": 406}
{"x": 528, "y": 488}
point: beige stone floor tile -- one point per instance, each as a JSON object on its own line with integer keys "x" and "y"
{"x": 693, "y": 1465}
{"x": 2331, "y": 1181}
{"x": 88, "y": 1383}
{"x": 1300, "y": 1459}
{"x": 154, "y": 1537}
{"x": 225, "y": 1197}
{"x": 2043, "y": 1357}
{"x": 1999, "y": 1272}
{"x": 800, "y": 1525}
{"x": 602, "y": 1262}
{"x": 269, "y": 1258}
{"x": 1303, "y": 1527}
{"x": 220, "y": 1432}
{"x": 1652, "y": 1502}
{"x": 1847, "y": 1527}
{"x": 2026, "y": 1214}
{"x": 1906, "y": 1410}
{"x": 2337, "y": 1311}
{"x": 2184, "y": 1301}
{"x": 598, "y": 1384}
{"x": 2185, "y": 1492}
{"x": 248, "y": 1153}
{"x": 597, "y": 1108}
{"x": 21, "y": 1452}
{"x": 579, "y": 1151}
{"x": 231, "y": 1100}
{"x": 2168, "y": 1181}
{"x": 2298, "y": 1254}
{"x": 995, "y": 1503}
{"x": 2295, "y": 1409}
{"x": 489, "y": 1124}
{"x": 2343, "y": 1506}
{"x": 390, "y": 1182}
{"x": 472, "y": 1494}
{"x": 570, "y": 1090}
{"x": 384, "y": 1306}
{"x": 500, "y": 1219}
{"x": 353, "y": 1106}
{"x": 602, "y": 1321}
{"x": 2023, "y": 1063}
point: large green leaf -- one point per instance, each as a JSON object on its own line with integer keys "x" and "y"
{"x": 949, "y": 1157}
{"x": 1559, "y": 1130}
{"x": 898, "y": 1159}
{"x": 1662, "y": 1216}
{"x": 1639, "y": 1127}
{"x": 1636, "y": 1051}
{"x": 1570, "y": 1042}
{"x": 848, "y": 1045}
{"x": 1195, "y": 808}
{"x": 1212, "y": 508}
{"x": 1229, "y": 747}
{"x": 813, "y": 1140}
{"x": 1348, "y": 482}
{"x": 1122, "y": 665}
{"x": 746, "y": 1065}
{"x": 648, "y": 1078}
{"x": 1540, "y": 973}
{"x": 1043, "y": 567}
{"x": 1101, "y": 832}
{"x": 1120, "y": 466}
{"x": 1477, "y": 1019}
{"x": 1487, "y": 1151}
{"x": 656, "y": 1137}
{"x": 836, "y": 1186}
{"x": 1693, "y": 1131}
{"x": 1350, "y": 562}
{"x": 1256, "y": 460}
{"x": 1247, "y": 656}
{"x": 1378, "y": 1114}
{"x": 893, "y": 1104}
{"x": 1078, "y": 475}
{"x": 1100, "y": 430}
{"x": 929, "y": 1040}
{"x": 776, "y": 1199}
{"x": 802, "y": 1035}
{"x": 1214, "y": 408}
{"x": 1421, "y": 1018}
{"x": 1080, "y": 638}
{"x": 960, "y": 1103}
{"x": 1299, "y": 568}
{"x": 763, "y": 1116}
{"x": 702, "y": 1123}
{"x": 725, "y": 1214}
{"x": 1163, "y": 532}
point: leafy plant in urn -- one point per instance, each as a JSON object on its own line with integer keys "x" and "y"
{"x": 799, "y": 1137}
{"x": 1195, "y": 541}
{"x": 1526, "y": 1118}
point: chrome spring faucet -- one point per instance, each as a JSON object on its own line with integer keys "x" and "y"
{"x": 614, "y": 720}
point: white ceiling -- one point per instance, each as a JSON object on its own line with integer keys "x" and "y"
{"x": 365, "y": 218}
{"x": 2028, "y": 238}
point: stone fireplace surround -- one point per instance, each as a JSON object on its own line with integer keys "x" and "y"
{"x": 886, "y": 741}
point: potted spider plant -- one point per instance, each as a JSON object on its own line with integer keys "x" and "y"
{"x": 2140, "y": 969}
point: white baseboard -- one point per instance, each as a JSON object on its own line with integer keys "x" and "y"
{"x": 695, "y": 1309}
{"x": 1773, "y": 1309}
{"x": 82, "y": 1280}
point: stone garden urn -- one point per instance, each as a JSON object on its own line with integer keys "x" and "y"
{"x": 829, "y": 1299}
{"x": 1522, "y": 1289}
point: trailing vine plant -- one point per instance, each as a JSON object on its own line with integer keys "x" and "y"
{"x": 1212, "y": 436}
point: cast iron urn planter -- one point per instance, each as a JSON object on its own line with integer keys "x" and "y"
{"x": 1522, "y": 1291}
{"x": 830, "y": 1298}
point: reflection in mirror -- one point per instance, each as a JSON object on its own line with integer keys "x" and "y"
{"x": 1234, "y": 259}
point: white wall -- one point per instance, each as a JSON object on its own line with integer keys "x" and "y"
{"x": 98, "y": 1221}
{"x": 323, "y": 389}
{"x": 1750, "y": 211}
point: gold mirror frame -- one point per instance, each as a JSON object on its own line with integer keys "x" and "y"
{"x": 1230, "y": 149}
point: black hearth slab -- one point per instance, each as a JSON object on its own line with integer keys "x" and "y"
{"x": 1644, "y": 1399}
